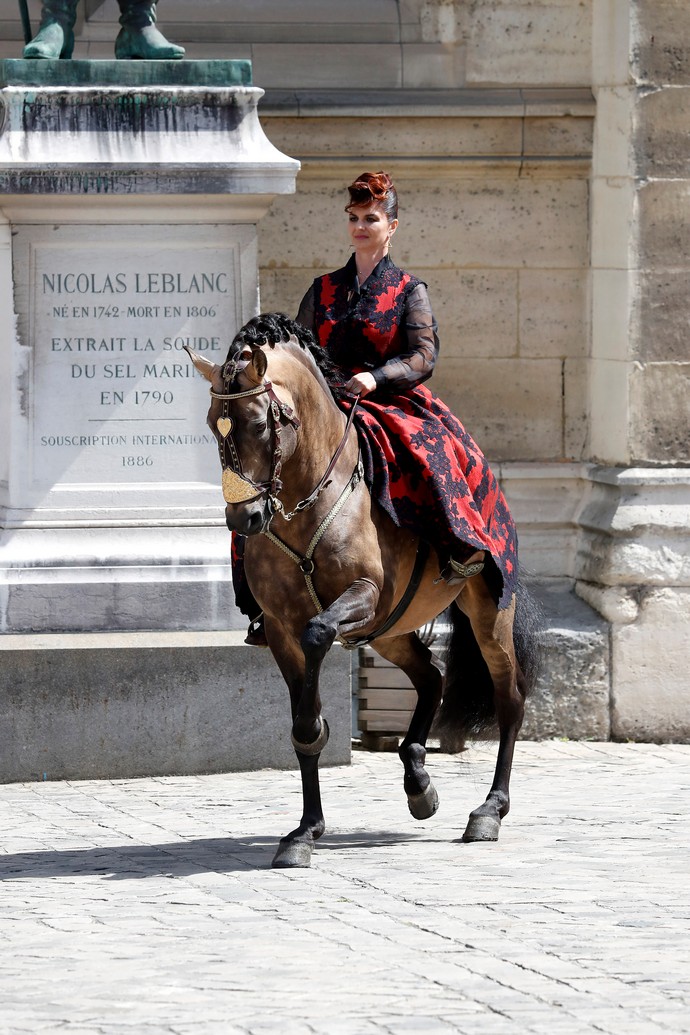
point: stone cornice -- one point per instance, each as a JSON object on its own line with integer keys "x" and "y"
{"x": 464, "y": 103}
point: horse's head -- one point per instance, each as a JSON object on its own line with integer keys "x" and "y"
{"x": 248, "y": 419}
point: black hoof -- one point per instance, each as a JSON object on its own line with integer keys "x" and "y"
{"x": 292, "y": 855}
{"x": 423, "y": 805}
{"x": 482, "y": 828}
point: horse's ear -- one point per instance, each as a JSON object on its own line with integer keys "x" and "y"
{"x": 257, "y": 368}
{"x": 203, "y": 365}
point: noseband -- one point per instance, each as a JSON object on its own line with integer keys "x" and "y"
{"x": 237, "y": 487}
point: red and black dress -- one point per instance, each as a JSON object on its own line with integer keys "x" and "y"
{"x": 420, "y": 464}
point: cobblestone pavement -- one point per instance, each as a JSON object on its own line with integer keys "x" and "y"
{"x": 144, "y": 907}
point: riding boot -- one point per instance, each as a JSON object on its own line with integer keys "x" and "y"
{"x": 55, "y": 36}
{"x": 256, "y": 633}
{"x": 139, "y": 37}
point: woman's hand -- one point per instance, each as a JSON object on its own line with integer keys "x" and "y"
{"x": 361, "y": 384}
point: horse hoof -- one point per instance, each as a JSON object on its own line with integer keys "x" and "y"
{"x": 423, "y": 805}
{"x": 482, "y": 828}
{"x": 292, "y": 855}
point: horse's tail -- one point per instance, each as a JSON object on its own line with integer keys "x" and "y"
{"x": 468, "y": 697}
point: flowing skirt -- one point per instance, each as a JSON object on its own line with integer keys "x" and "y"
{"x": 429, "y": 475}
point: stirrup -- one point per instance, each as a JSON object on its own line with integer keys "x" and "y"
{"x": 456, "y": 571}
{"x": 466, "y": 571}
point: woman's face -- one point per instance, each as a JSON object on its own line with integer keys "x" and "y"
{"x": 369, "y": 227}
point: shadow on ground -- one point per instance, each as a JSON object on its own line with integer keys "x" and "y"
{"x": 176, "y": 859}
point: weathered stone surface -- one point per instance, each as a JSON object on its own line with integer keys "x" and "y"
{"x": 664, "y": 223}
{"x": 137, "y": 140}
{"x": 542, "y": 41}
{"x": 477, "y": 311}
{"x": 619, "y": 605}
{"x": 651, "y": 695}
{"x": 118, "y": 706}
{"x": 498, "y": 223}
{"x": 661, "y": 141}
{"x": 429, "y": 66}
{"x": 662, "y": 315}
{"x": 608, "y": 408}
{"x": 311, "y": 137}
{"x": 575, "y": 409}
{"x": 612, "y": 295}
{"x": 634, "y": 526}
{"x": 495, "y": 223}
{"x": 379, "y": 65}
{"x": 524, "y": 422}
{"x": 661, "y": 42}
{"x": 565, "y": 136}
{"x": 660, "y": 405}
{"x": 552, "y": 313}
{"x": 611, "y": 44}
{"x": 613, "y": 147}
{"x": 169, "y": 601}
{"x": 571, "y": 698}
{"x": 614, "y": 233}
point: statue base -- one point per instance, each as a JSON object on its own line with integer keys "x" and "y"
{"x": 130, "y": 194}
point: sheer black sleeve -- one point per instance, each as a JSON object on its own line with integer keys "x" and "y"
{"x": 415, "y": 365}
{"x": 305, "y": 316}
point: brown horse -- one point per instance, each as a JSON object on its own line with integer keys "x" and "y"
{"x": 336, "y": 567}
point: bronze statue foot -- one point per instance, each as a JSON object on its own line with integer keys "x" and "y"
{"x": 146, "y": 44}
{"x": 51, "y": 41}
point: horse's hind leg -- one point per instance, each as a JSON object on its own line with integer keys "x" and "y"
{"x": 418, "y": 663}
{"x": 493, "y": 631}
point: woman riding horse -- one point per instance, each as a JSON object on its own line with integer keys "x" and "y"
{"x": 375, "y": 322}
{"x": 336, "y": 523}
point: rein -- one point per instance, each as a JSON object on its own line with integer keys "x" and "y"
{"x": 310, "y": 500}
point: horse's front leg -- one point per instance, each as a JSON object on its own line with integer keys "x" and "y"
{"x": 352, "y": 610}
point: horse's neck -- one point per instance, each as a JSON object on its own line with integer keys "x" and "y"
{"x": 322, "y": 429}
{"x": 323, "y": 426}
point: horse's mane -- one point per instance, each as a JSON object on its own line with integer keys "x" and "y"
{"x": 271, "y": 328}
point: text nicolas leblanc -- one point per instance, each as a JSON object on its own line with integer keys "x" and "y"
{"x": 139, "y": 283}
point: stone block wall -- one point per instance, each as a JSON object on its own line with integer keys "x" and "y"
{"x": 660, "y": 383}
{"x": 641, "y": 241}
{"x": 542, "y": 155}
{"x": 503, "y": 250}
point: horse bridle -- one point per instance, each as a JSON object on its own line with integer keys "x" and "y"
{"x": 237, "y": 487}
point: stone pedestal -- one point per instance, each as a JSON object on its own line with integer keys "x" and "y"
{"x": 129, "y": 199}
{"x": 130, "y": 194}
{"x": 121, "y": 705}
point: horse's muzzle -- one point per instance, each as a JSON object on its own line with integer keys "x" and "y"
{"x": 248, "y": 519}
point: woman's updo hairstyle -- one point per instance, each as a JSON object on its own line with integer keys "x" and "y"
{"x": 376, "y": 187}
